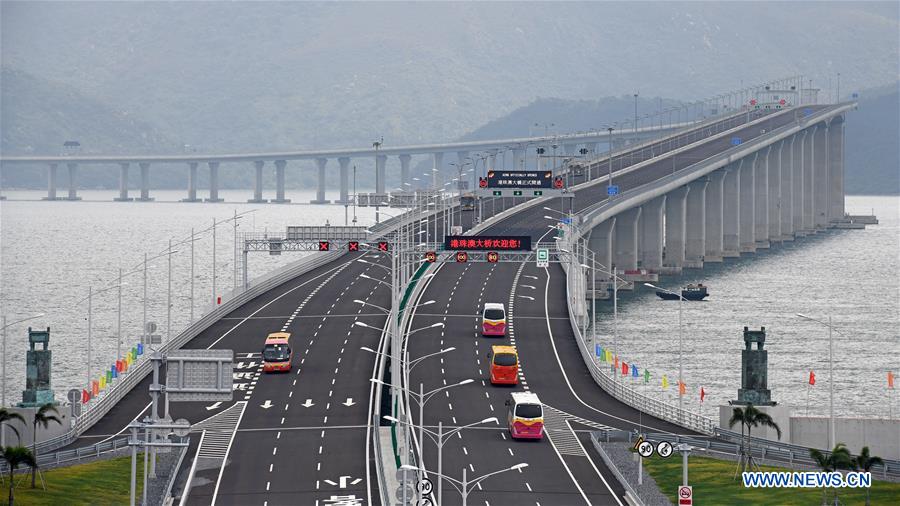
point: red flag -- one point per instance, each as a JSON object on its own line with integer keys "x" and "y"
{"x": 624, "y": 368}
{"x": 95, "y": 388}
{"x": 812, "y": 378}
{"x": 890, "y": 379}
{"x": 85, "y": 396}
{"x": 681, "y": 388}
{"x": 702, "y": 394}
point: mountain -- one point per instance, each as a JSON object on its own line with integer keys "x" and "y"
{"x": 873, "y": 150}
{"x": 235, "y": 76}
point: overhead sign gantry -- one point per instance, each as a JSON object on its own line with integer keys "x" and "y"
{"x": 520, "y": 183}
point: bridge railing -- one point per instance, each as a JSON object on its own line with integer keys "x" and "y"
{"x": 605, "y": 377}
{"x": 74, "y": 455}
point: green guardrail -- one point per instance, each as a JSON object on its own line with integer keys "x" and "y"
{"x": 403, "y": 300}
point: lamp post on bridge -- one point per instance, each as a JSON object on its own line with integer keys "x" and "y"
{"x": 463, "y": 486}
{"x": 680, "y": 344}
{"x": 831, "y": 433}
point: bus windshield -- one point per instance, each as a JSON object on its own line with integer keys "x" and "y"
{"x": 528, "y": 411}
{"x": 493, "y": 314}
{"x": 276, "y": 352}
{"x": 505, "y": 359}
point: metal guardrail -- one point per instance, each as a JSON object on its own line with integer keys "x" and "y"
{"x": 74, "y": 455}
{"x": 595, "y": 440}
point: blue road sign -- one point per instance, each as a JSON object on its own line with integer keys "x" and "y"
{"x": 612, "y": 189}
{"x": 807, "y": 111}
{"x": 855, "y": 95}
{"x": 735, "y": 141}
{"x": 566, "y": 220}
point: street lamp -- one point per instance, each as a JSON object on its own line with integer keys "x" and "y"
{"x": 463, "y": 487}
{"x": 680, "y": 343}
{"x": 635, "y": 112}
{"x": 439, "y": 440}
{"x": 831, "y": 439}
{"x": 89, "y": 298}
{"x": 610, "y": 154}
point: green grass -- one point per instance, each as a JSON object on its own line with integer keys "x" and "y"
{"x": 97, "y": 483}
{"x": 713, "y": 485}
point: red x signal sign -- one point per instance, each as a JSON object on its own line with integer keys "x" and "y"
{"x": 382, "y": 245}
{"x": 558, "y": 183}
{"x": 482, "y": 182}
{"x": 431, "y": 256}
{"x": 323, "y": 245}
{"x": 353, "y": 246}
{"x": 493, "y": 257}
{"x": 462, "y": 257}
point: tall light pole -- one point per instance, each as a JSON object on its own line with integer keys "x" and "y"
{"x": 610, "y": 131}
{"x": 464, "y": 486}
{"x": 377, "y": 146}
{"x": 213, "y": 271}
{"x": 680, "y": 344}
{"x": 635, "y": 112}
{"x": 831, "y": 432}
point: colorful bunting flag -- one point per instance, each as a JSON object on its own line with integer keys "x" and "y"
{"x": 114, "y": 371}
{"x": 85, "y": 396}
{"x": 616, "y": 363}
{"x": 102, "y": 382}
{"x": 665, "y": 382}
{"x": 624, "y": 368}
{"x": 702, "y": 394}
{"x": 682, "y": 388}
{"x": 812, "y": 378}
{"x": 140, "y": 349}
{"x": 634, "y": 371}
{"x": 95, "y": 388}
{"x": 890, "y": 379}
{"x": 646, "y": 376}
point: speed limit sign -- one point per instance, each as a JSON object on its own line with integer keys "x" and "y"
{"x": 425, "y": 486}
{"x": 685, "y": 495}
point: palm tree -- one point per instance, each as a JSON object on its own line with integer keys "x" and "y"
{"x": 750, "y": 417}
{"x": 7, "y": 416}
{"x": 15, "y": 456}
{"x": 864, "y": 462}
{"x": 43, "y": 419}
{"x": 839, "y": 458}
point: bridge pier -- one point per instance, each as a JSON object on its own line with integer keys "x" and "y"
{"x": 731, "y": 211}
{"x": 518, "y": 158}
{"x": 673, "y": 260}
{"x": 821, "y": 178}
{"x": 761, "y": 193}
{"x": 786, "y": 208}
{"x": 715, "y": 217}
{"x": 213, "y": 182}
{"x": 797, "y": 183}
{"x": 809, "y": 225}
{"x": 651, "y": 243}
{"x": 73, "y": 181}
{"x": 123, "y": 183}
{"x": 192, "y": 184}
{"x": 404, "y": 173}
{"x": 774, "y": 176}
{"x": 344, "y": 162}
{"x": 145, "y": 182}
{"x": 626, "y": 240}
{"x": 601, "y": 243}
{"x": 320, "y": 187}
{"x": 748, "y": 200}
{"x": 258, "y": 183}
{"x": 437, "y": 168}
{"x": 51, "y": 182}
{"x": 279, "y": 183}
{"x": 836, "y": 169}
{"x": 695, "y": 224}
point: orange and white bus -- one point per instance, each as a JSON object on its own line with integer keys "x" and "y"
{"x": 493, "y": 320}
{"x": 525, "y": 417}
{"x": 277, "y": 352}
{"x": 504, "y": 365}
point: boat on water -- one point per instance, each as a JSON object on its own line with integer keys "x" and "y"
{"x": 690, "y": 292}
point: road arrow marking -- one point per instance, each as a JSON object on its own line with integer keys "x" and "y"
{"x": 349, "y": 402}
{"x": 529, "y": 286}
{"x": 214, "y": 406}
{"x": 343, "y": 481}
{"x": 529, "y": 276}
{"x": 308, "y": 403}
{"x": 266, "y": 405}
{"x": 527, "y": 297}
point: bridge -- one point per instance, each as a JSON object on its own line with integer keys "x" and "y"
{"x": 385, "y": 342}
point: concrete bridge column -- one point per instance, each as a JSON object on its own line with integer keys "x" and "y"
{"x": 695, "y": 224}
{"x": 821, "y": 178}
{"x": 673, "y": 260}
{"x": 809, "y": 149}
{"x": 380, "y": 164}
{"x": 569, "y": 149}
{"x": 213, "y": 182}
{"x": 123, "y": 183}
{"x": 651, "y": 243}
{"x": 73, "y": 181}
{"x": 715, "y": 217}
{"x": 761, "y": 194}
{"x": 192, "y": 183}
{"x": 748, "y": 200}
{"x": 731, "y": 210}
{"x": 145, "y": 182}
{"x": 626, "y": 241}
{"x": 601, "y": 243}
{"x": 437, "y": 169}
{"x": 345, "y": 179}
{"x": 279, "y": 183}
{"x": 787, "y": 189}
{"x": 51, "y": 182}
{"x": 258, "y": 183}
{"x": 320, "y": 189}
{"x": 518, "y": 158}
{"x": 797, "y": 182}
{"x": 775, "y": 200}
{"x": 405, "y": 183}
{"x": 836, "y": 169}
